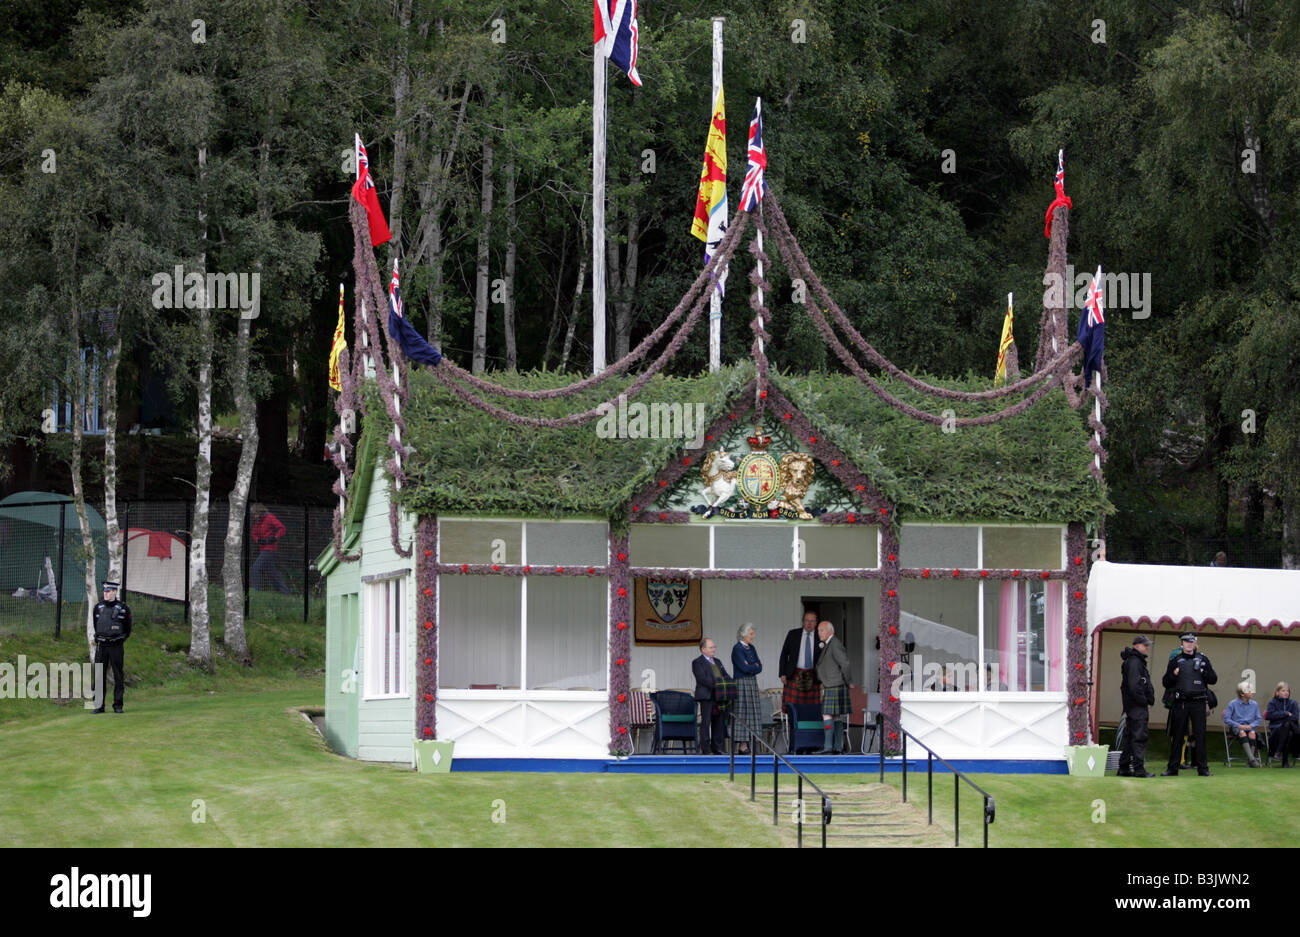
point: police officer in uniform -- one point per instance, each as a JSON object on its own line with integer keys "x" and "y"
{"x": 112, "y": 627}
{"x": 1190, "y": 676}
{"x": 1137, "y": 694}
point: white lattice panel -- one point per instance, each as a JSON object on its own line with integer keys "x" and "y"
{"x": 988, "y": 725}
{"x": 497, "y": 724}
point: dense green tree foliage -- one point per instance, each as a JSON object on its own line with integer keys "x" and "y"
{"x": 911, "y": 144}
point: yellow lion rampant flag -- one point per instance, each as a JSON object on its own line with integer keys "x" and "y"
{"x": 710, "y": 222}
{"x": 337, "y": 347}
{"x": 1000, "y": 376}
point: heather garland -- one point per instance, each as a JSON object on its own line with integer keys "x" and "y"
{"x": 798, "y": 263}
{"x": 851, "y": 363}
{"x": 426, "y": 642}
{"x": 367, "y": 275}
{"x": 448, "y": 376}
{"x": 761, "y": 316}
{"x": 1076, "y": 642}
{"x": 342, "y": 454}
{"x": 620, "y": 646}
{"x": 707, "y": 277}
{"x": 890, "y": 642}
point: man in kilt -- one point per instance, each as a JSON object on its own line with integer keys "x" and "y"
{"x": 834, "y": 672}
{"x": 798, "y": 664}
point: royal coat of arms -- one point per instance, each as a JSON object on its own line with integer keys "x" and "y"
{"x": 768, "y": 488}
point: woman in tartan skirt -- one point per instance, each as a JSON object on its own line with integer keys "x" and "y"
{"x": 834, "y": 673}
{"x": 747, "y": 667}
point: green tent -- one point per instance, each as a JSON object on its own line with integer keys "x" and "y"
{"x": 29, "y": 532}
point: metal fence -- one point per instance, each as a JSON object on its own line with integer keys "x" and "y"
{"x": 1261, "y": 552}
{"x": 42, "y": 563}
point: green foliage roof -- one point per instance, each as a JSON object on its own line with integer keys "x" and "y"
{"x": 1033, "y": 467}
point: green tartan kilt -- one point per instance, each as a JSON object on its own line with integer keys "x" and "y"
{"x": 836, "y": 700}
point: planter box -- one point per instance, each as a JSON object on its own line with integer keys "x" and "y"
{"x": 1087, "y": 761}
{"x": 433, "y": 757}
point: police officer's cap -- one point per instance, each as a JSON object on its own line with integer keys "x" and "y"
{"x": 110, "y": 585}
{"x": 1187, "y": 636}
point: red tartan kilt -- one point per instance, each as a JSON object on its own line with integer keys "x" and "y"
{"x": 791, "y": 694}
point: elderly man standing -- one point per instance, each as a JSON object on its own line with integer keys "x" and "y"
{"x": 798, "y": 663}
{"x": 708, "y": 671}
{"x": 834, "y": 673}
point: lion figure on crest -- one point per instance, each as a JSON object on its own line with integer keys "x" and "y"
{"x": 795, "y": 475}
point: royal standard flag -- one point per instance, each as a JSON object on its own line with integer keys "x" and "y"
{"x": 337, "y": 347}
{"x": 1000, "y": 376}
{"x": 710, "y": 222}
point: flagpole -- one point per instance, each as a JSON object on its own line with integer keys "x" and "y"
{"x": 1096, "y": 412}
{"x": 397, "y": 406}
{"x": 715, "y": 298}
{"x": 598, "y": 117}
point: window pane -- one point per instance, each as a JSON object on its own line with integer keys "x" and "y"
{"x": 551, "y": 544}
{"x": 1017, "y": 637}
{"x": 1022, "y": 547}
{"x": 478, "y": 631}
{"x": 838, "y": 547}
{"x": 942, "y": 618}
{"x": 679, "y": 546}
{"x": 939, "y": 547}
{"x": 567, "y": 633}
{"x": 480, "y": 542}
{"x": 753, "y": 546}
{"x": 385, "y": 631}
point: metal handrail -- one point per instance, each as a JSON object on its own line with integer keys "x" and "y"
{"x": 990, "y": 806}
{"x": 754, "y": 736}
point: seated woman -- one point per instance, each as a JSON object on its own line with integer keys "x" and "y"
{"x": 1283, "y": 724}
{"x": 1242, "y": 718}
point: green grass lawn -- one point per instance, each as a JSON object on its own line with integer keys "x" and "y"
{"x": 231, "y": 740}
{"x": 265, "y": 778}
{"x": 1237, "y": 807}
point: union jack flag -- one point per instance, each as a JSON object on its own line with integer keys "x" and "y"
{"x": 395, "y": 294}
{"x": 615, "y": 34}
{"x": 1092, "y": 328}
{"x": 1060, "y": 171}
{"x": 754, "y": 187}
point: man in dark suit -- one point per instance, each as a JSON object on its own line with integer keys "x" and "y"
{"x": 708, "y": 670}
{"x": 799, "y": 655}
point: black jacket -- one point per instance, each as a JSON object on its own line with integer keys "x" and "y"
{"x": 704, "y": 679}
{"x": 1205, "y": 676}
{"x": 790, "y": 652}
{"x": 112, "y": 622}
{"x": 1136, "y": 688}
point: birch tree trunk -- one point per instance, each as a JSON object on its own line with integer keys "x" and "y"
{"x": 78, "y": 490}
{"x": 577, "y": 292}
{"x": 554, "y": 331}
{"x": 433, "y": 257}
{"x": 200, "y": 631}
{"x": 481, "y": 293}
{"x": 508, "y": 307}
{"x": 234, "y": 635}
{"x": 112, "y": 529}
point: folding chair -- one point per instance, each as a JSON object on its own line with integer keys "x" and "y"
{"x": 1261, "y": 743}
